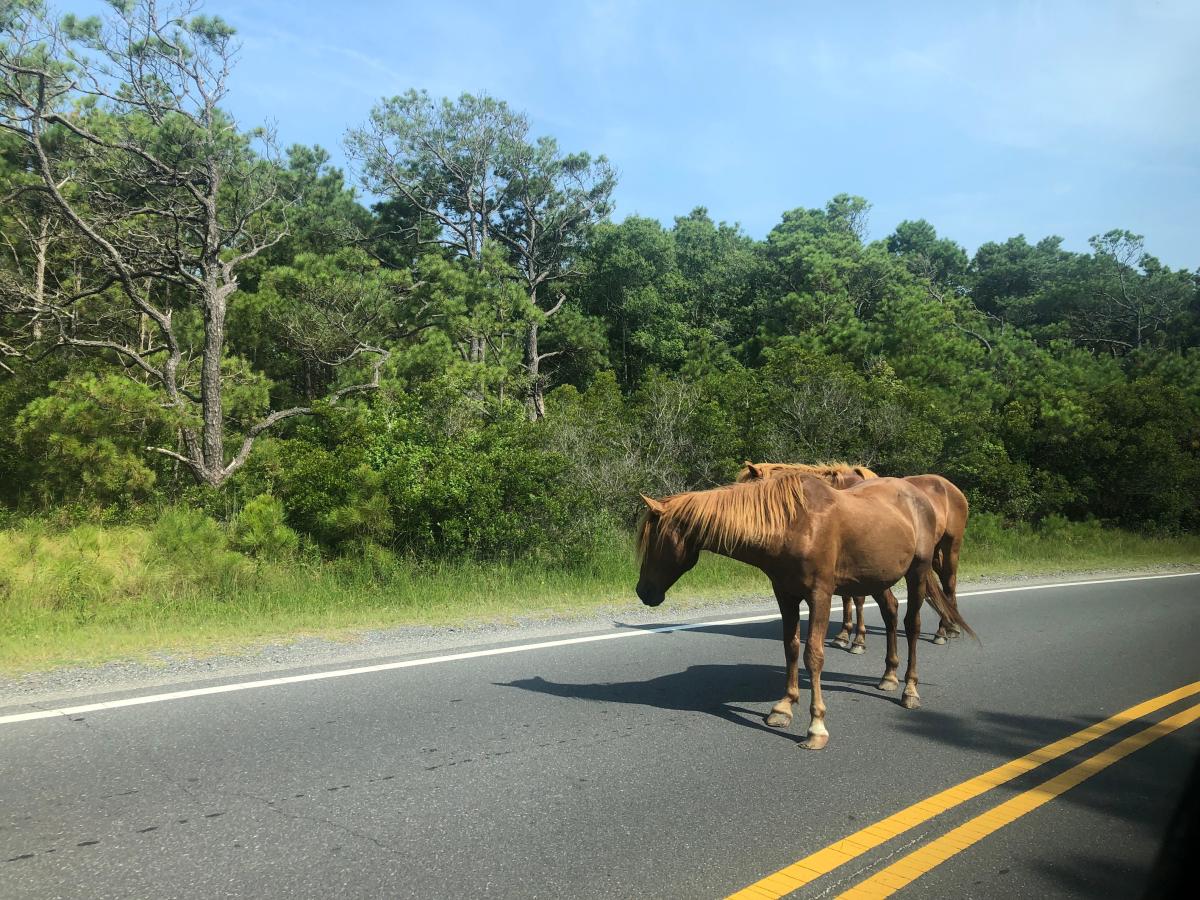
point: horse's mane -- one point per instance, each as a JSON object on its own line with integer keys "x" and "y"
{"x": 748, "y": 513}
{"x": 825, "y": 470}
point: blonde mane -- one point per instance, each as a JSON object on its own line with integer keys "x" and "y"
{"x": 751, "y": 513}
{"x": 824, "y": 470}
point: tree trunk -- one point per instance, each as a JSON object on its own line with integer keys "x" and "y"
{"x": 42, "y": 247}
{"x": 535, "y": 404}
{"x": 212, "y": 444}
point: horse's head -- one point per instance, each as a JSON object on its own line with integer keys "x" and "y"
{"x": 842, "y": 479}
{"x": 749, "y": 472}
{"x": 665, "y": 551}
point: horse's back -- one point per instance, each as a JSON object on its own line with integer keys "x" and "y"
{"x": 875, "y": 501}
{"x": 883, "y": 524}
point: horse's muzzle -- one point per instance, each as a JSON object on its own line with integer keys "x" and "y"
{"x": 650, "y": 596}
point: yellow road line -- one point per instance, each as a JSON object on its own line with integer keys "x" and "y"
{"x": 911, "y": 867}
{"x": 813, "y": 866}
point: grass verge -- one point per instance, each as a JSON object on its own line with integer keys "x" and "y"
{"x": 91, "y": 594}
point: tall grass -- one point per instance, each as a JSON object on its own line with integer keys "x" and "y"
{"x": 995, "y": 547}
{"x": 91, "y": 593}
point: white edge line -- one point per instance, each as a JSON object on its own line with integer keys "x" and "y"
{"x": 495, "y": 651}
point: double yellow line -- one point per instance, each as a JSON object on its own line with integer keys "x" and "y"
{"x": 915, "y": 864}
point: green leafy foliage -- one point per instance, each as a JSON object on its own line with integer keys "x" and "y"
{"x": 1053, "y": 386}
{"x": 197, "y": 548}
{"x": 85, "y": 440}
{"x": 260, "y": 529}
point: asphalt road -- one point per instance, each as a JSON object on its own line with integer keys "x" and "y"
{"x": 616, "y": 768}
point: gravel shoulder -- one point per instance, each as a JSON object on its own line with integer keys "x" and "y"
{"x": 314, "y": 652}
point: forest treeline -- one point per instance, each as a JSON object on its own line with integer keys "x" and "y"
{"x": 480, "y": 361}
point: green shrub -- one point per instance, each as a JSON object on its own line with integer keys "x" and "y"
{"x": 88, "y": 438}
{"x": 196, "y": 548}
{"x": 261, "y": 531}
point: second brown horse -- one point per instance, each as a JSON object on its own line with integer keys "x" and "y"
{"x": 952, "y": 510}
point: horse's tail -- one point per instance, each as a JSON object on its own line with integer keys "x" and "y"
{"x": 945, "y": 606}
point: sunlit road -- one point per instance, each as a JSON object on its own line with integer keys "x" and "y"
{"x": 618, "y": 768}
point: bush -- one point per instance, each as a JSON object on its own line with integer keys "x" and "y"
{"x": 195, "y": 548}
{"x": 261, "y": 531}
{"x": 487, "y": 494}
{"x": 88, "y": 439}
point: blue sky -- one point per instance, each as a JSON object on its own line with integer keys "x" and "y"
{"x": 987, "y": 119}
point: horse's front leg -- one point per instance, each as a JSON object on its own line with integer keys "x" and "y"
{"x": 781, "y": 713}
{"x": 843, "y": 637}
{"x": 912, "y": 632}
{"x": 860, "y": 630}
{"x": 814, "y": 661}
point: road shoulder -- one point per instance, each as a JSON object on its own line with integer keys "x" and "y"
{"x": 313, "y": 653}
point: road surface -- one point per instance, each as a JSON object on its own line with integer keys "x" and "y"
{"x": 631, "y": 766}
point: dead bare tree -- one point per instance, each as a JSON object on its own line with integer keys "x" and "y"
{"x": 1135, "y": 298}
{"x": 550, "y": 204}
{"x": 164, "y": 199}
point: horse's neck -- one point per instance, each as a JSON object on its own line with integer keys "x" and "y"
{"x": 752, "y": 554}
{"x": 752, "y": 541}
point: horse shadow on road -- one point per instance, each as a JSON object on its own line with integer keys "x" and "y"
{"x": 718, "y": 690}
{"x": 770, "y": 630}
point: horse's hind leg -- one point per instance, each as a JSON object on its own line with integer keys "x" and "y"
{"x": 780, "y": 715}
{"x": 843, "y": 637}
{"x": 888, "y": 607}
{"x": 814, "y": 662}
{"x": 860, "y": 630}
{"x": 946, "y": 628}
{"x": 912, "y": 631}
{"x": 945, "y": 564}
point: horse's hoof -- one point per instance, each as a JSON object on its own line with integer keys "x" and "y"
{"x": 815, "y": 742}
{"x": 888, "y": 684}
{"x": 778, "y": 719}
{"x": 910, "y": 701}
{"x": 938, "y": 639}
{"x": 858, "y": 649}
{"x": 841, "y": 642}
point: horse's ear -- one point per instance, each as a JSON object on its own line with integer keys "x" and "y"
{"x": 656, "y": 506}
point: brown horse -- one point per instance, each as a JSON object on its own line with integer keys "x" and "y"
{"x": 812, "y": 541}
{"x": 841, "y": 475}
{"x": 952, "y": 510}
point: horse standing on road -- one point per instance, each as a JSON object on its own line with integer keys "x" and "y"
{"x": 812, "y": 541}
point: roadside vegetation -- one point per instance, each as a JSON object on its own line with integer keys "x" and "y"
{"x": 90, "y": 593}
{"x": 237, "y": 401}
